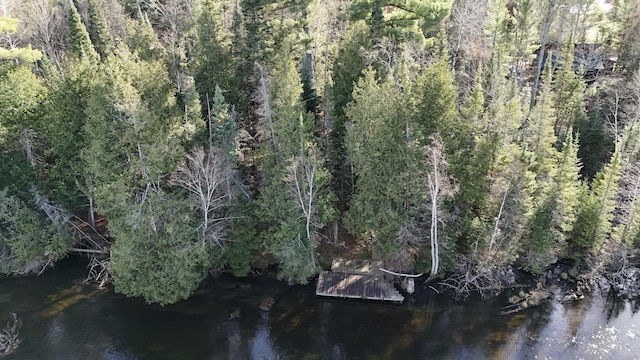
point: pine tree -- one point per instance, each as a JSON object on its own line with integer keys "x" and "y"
{"x": 552, "y": 222}
{"x": 401, "y": 19}
{"x": 347, "y": 70}
{"x": 79, "y": 40}
{"x": 595, "y": 210}
{"x": 213, "y": 61}
{"x": 568, "y": 96}
{"x": 296, "y": 203}
{"x": 98, "y": 30}
{"x": 29, "y": 244}
{"x": 377, "y": 148}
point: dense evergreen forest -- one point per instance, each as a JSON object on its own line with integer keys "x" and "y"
{"x": 169, "y": 139}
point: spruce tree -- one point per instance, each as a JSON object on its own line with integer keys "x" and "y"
{"x": 296, "y": 202}
{"x": 213, "y": 61}
{"x": 98, "y": 30}
{"x": 377, "y": 149}
{"x": 568, "y": 96}
{"x": 554, "y": 216}
{"x": 29, "y": 243}
{"x": 595, "y": 211}
{"x": 79, "y": 40}
{"x": 347, "y": 70}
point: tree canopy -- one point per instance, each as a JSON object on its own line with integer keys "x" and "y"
{"x": 460, "y": 138}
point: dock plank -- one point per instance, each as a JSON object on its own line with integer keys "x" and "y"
{"x": 356, "y": 279}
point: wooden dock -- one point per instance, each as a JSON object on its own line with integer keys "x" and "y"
{"x": 357, "y": 279}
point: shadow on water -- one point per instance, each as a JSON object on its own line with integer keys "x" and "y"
{"x": 64, "y": 319}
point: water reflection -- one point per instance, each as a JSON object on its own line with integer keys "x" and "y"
{"x": 262, "y": 346}
{"x": 301, "y": 326}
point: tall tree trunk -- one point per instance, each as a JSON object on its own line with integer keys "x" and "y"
{"x": 547, "y": 21}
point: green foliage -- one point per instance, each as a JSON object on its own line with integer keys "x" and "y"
{"x": 142, "y": 40}
{"x": 157, "y": 255}
{"x": 347, "y": 70}
{"x": 552, "y": 222}
{"x": 242, "y": 248}
{"x": 401, "y": 17}
{"x": 309, "y": 96}
{"x": 28, "y": 242}
{"x": 377, "y": 149}
{"x": 295, "y": 204}
{"x": 117, "y": 108}
{"x": 568, "y": 97}
{"x": 61, "y": 128}
{"x": 98, "y": 31}
{"x": 79, "y": 40}
{"x": 21, "y": 95}
{"x": 214, "y": 65}
{"x": 630, "y": 36}
{"x": 8, "y": 24}
{"x": 436, "y": 108}
{"x": 132, "y": 126}
{"x": 537, "y": 135}
{"x": 595, "y": 209}
{"x": 596, "y": 142}
{"x": 285, "y": 237}
{"x": 16, "y": 173}
{"x": 25, "y": 55}
{"x": 222, "y": 126}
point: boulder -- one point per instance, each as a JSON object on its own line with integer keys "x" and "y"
{"x": 235, "y": 314}
{"x": 267, "y": 303}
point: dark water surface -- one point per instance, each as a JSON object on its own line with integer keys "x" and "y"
{"x": 63, "y": 319}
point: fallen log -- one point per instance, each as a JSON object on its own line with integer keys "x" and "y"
{"x": 524, "y": 300}
{"x": 9, "y": 336}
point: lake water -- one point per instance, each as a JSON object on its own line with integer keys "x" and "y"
{"x": 63, "y": 319}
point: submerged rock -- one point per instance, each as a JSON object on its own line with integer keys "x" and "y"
{"x": 267, "y": 303}
{"x": 626, "y": 283}
{"x": 235, "y": 314}
{"x": 409, "y": 285}
{"x": 526, "y": 300}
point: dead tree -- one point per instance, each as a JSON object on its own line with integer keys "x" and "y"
{"x": 208, "y": 178}
{"x": 301, "y": 176}
{"x": 547, "y": 22}
{"x": 439, "y": 187}
{"x": 9, "y": 336}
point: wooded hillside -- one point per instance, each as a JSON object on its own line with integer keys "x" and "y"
{"x": 167, "y": 139}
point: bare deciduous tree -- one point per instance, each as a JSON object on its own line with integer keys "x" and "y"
{"x": 208, "y": 178}
{"x": 43, "y": 24}
{"x": 466, "y": 25}
{"x": 440, "y": 186}
{"x": 301, "y": 176}
{"x": 549, "y": 15}
{"x": 262, "y": 98}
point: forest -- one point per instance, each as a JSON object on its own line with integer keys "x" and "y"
{"x": 167, "y": 140}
